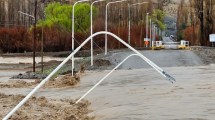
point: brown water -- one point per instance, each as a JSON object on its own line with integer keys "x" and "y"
{"x": 143, "y": 94}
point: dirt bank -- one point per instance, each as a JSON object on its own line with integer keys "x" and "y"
{"x": 44, "y": 109}
{"x": 207, "y": 54}
{"x": 59, "y": 82}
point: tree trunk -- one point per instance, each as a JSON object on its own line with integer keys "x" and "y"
{"x": 201, "y": 18}
{"x": 209, "y": 21}
{"x": 6, "y": 7}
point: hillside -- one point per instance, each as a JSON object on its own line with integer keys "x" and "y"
{"x": 171, "y": 8}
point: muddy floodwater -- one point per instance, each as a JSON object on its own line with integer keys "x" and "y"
{"x": 143, "y": 94}
{"x": 129, "y": 93}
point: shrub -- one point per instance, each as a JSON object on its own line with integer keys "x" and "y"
{"x": 19, "y": 39}
{"x": 14, "y": 39}
{"x": 136, "y": 39}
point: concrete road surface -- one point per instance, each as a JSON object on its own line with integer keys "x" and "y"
{"x": 169, "y": 43}
{"x": 167, "y": 39}
{"x": 163, "y": 58}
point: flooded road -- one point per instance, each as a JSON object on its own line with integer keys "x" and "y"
{"x": 136, "y": 92}
{"x": 142, "y": 94}
{"x": 145, "y": 95}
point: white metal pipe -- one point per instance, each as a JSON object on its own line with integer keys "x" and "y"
{"x": 162, "y": 72}
{"x": 106, "y": 14}
{"x": 91, "y": 21}
{"x": 82, "y": 97}
{"x": 73, "y": 30}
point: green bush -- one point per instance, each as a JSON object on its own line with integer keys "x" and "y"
{"x": 158, "y": 18}
{"x": 60, "y": 16}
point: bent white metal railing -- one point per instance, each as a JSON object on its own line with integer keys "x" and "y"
{"x": 158, "y": 69}
{"x": 82, "y": 97}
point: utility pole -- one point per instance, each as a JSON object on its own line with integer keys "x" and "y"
{"x": 42, "y": 39}
{"x": 34, "y": 41}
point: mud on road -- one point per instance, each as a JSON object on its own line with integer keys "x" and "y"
{"x": 61, "y": 81}
{"x": 40, "y": 108}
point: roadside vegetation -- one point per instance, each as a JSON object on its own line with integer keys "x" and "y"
{"x": 196, "y": 21}
{"x": 54, "y": 24}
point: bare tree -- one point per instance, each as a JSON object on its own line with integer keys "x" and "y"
{"x": 6, "y": 7}
{"x": 199, "y": 9}
{"x": 209, "y": 21}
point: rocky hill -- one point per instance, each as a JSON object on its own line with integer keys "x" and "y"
{"x": 171, "y": 7}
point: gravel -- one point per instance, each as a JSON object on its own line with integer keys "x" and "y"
{"x": 29, "y": 75}
{"x": 207, "y": 54}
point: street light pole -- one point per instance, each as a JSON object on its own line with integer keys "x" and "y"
{"x": 154, "y": 32}
{"x": 150, "y": 21}
{"x": 91, "y": 20}
{"x": 129, "y": 19}
{"x": 42, "y": 40}
{"x": 35, "y": 21}
{"x": 106, "y": 22}
{"x": 153, "y": 35}
{"x": 34, "y": 40}
{"x": 73, "y": 35}
{"x": 147, "y": 17}
{"x": 129, "y": 24}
